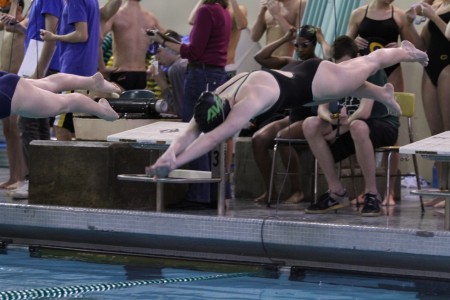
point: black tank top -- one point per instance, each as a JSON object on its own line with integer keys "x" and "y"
{"x": 379, "y": 33}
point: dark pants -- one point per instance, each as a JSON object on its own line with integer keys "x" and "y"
{"x": 198, "y": 80}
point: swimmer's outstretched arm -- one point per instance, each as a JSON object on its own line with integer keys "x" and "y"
{"x": 192, "y": 145}
{"x": 169, "y": 157}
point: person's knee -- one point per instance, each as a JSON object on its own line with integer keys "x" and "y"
{"x": 359, "y": 130}
{"x": 261, "y": 140}
{"x": 311, "y": 126}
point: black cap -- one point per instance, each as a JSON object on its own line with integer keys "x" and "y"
{"x": 210, "y": 111}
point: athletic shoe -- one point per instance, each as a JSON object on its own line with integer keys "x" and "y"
{"x": 328, "y": 202}
{"x": 22, "y": 192}
{"x": 372, "y": 205}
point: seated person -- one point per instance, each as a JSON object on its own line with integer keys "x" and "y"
{"x": 361, "y": 126}
{"x": 289, "y": 126}
{"x": 170, "y": 80}
{"x": 222, "y": 114}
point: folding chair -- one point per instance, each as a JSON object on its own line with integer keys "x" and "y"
{"x": 407, "y": 103}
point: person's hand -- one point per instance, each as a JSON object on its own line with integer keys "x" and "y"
{"x": 291, "y": 34}
{"x": 361, "y": 42}
{"x": 274, "y": 7}
{"x": 411, "y": 14}
{"x": 47, "y": 35}
{"x": 165, "y": 163}
{"x": 426, "y": 10}
{"x": 154, "y": 36}
{"x": 8, "y": 20}
{"x": 319, "y": 35}
{"x": 392, "y": 45}
{"x": 264, "y": 4}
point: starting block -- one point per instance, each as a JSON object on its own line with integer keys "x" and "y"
{"x": 159, "y": 136}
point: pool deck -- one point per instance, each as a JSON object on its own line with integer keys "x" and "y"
{"x": 401, "y": 242}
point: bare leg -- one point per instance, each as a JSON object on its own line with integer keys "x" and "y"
{"x": 348, "y": 78}
{"x": 314, "y": 129}
{"x": 65, "y": 82}
{"x": 291, "y": 161}
{"x": 262, "y": 141}
{"x": 15, "y": 155}
{"x": 33, "y": 102}
{"x": 364, "y": 154}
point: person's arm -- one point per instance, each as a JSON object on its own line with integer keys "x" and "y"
{"x": 10, "y": 22}
{"x": 193, "y": 13}
{"x": 429, "y": 12}
{"x": 79, "y": 35}
{"x": 240, "y": 15}
{"x": 363, "y": 112}
{"x": 353, "y": 27}
{"x": 447, "y": 31}
{"x": 326, "y": 48}
{"x": 51, "y": 24}
{"x": 156, "y": 36}
{"x": 265, "y": 58}
{"x": 259, "y": 27}
{"x": 178, "y": 145}
{"x": 409, "y": 32}
{"x": 274, "y": 7}
{"x": 108, "y": 10}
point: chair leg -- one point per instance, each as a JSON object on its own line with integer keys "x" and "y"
{"x": 272, "y": 173}
{"x": 416, "y": 167}
{"x": 388, "y": 181}
{"x": 416, "y": 170}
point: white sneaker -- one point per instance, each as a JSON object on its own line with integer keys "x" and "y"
{"x": 22, "y": 192}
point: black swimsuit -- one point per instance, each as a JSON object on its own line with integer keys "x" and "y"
{"x": 379, "y": 33}
{"x": 295, "y": 91}
{"x": 438, "y": 51}
{"x": 8, "y": 83}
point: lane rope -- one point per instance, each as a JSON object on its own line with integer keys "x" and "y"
{"x": 76, "y": 290}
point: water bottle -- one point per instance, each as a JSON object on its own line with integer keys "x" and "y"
{"x": 435, "y": 180}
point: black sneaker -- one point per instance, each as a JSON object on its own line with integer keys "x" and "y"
{"x": 328, "y": 202}
{"x": 372, "y": 205}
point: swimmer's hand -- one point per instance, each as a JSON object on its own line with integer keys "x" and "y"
{"x": 162, "y": 167}
{"x": 158, "y": 172}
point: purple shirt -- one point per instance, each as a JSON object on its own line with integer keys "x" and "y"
{"x": 38, "y": 10}
{"x": 80, "y": 58}
{"x": 209, "y": 37}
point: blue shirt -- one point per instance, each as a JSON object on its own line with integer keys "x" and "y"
{"x": 36, "y": 22}
{"x": 80, "y": 58}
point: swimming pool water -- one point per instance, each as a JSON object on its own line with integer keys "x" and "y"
{"x": 19, "y": 271}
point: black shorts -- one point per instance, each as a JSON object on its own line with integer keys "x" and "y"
{"x": 382, "y": 133}
{"x": 130, "y": 80}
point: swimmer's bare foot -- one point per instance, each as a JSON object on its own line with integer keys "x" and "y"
{"x": 296, "y": 197}
{"x": 102, "y": 85}
{"x": 108, "y": 112}
{"x": 388, "y": 99}
{"x": 414, "y": 53}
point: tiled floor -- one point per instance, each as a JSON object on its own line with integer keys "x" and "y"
{"x": 406, "y": 214}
